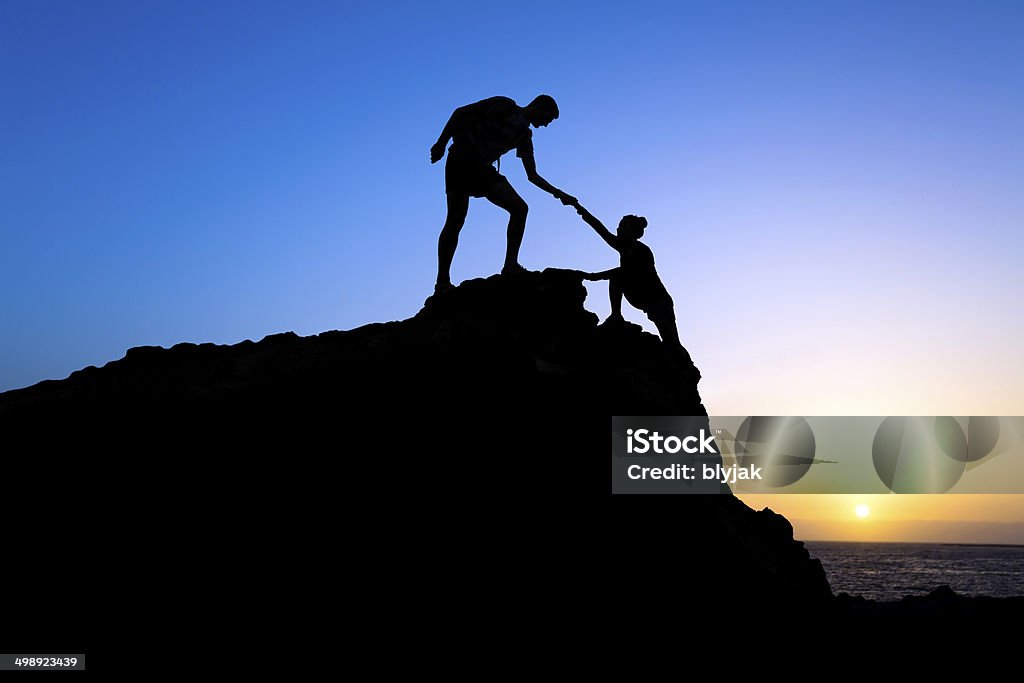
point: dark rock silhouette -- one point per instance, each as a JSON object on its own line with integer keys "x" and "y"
{"x": 470, "y": 441}
{"x": 499, "y": 340}
{"x": 941, "y": 606}
{"x": 454, "y": 464}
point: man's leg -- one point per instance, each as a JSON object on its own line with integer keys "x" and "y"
{"x": 458, "y": 206}
{"x": 503, "y": 195}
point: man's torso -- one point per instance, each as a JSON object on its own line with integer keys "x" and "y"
{"x": 497, "y": 126}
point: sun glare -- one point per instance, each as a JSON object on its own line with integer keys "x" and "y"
{"x": 862, "y": 511}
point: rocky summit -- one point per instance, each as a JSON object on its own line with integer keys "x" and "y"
{"x": 461, "y": 454}
{"x": 501, "y": 343}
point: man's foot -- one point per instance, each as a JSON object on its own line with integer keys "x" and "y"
{"x": 439, "y": 289}
{"x": 614, "y": 319}
{"x": 514, "y": 269}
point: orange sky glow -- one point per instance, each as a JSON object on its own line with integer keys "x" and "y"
{"x": 991, "y": 518}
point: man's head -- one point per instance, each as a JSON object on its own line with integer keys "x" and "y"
{"x": 541, "y": 111}
{"x": 632, "y": 227}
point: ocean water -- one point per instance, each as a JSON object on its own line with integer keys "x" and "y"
{"x": 889, "y": 571}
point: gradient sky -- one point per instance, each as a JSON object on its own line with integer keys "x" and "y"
{"x": 833, "y": 189}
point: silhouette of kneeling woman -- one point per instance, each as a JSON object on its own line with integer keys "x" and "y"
{"x": 636, "y": 277}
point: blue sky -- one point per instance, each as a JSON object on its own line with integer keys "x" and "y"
{"x": 833, "y": 189}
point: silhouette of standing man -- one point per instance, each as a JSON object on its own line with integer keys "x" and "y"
{"x": 483, "y": 131}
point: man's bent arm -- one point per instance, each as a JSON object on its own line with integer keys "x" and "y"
{"x": 455, "y": 123}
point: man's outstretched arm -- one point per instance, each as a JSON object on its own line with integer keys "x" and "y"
{"x": 531, "y": 174}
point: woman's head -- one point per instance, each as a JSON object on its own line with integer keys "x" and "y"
{"x": 632, "y": 227}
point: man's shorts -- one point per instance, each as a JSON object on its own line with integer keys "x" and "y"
{"x": 465, "y": 175}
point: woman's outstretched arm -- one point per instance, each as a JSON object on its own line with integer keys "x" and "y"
{"x": 598, "y": 227}
{"x": 603, "y": 275}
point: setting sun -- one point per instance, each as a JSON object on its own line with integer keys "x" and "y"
{"x": 862, "y": 511}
